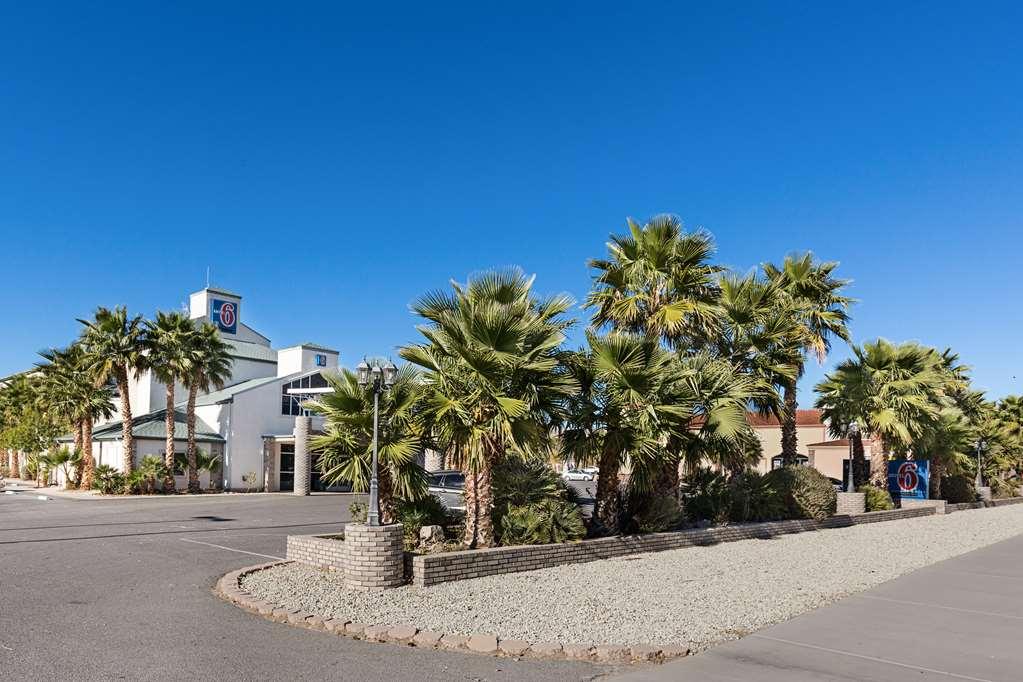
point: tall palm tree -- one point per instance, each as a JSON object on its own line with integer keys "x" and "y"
{"x": 169, "y": 345}
{"x": 209, "y": 369}
{"x": 346, "y": 446}
{"x": 635, "y": 398}
{"x": 114, "y": 342}
{"x": 70, "y": 387}
{"x": 894, "y": 392}
{"x": 821, "y": 313}
{"x": 1009, "y": 412}
{"x": 488, "y": 359}
{"x": 657, "y": 280}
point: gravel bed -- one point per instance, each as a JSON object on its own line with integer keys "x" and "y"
{"x": 693, "y": 596}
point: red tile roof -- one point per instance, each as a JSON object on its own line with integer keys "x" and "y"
{"x": 830, "y": 443}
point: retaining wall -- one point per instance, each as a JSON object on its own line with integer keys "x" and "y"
{"x": 962, "y": 506}
{"x": 432, "y": 569}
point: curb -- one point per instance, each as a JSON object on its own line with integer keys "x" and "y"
{"x": 229, "y": 588}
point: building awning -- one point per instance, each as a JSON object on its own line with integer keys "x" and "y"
{"x": 153, "y": 426}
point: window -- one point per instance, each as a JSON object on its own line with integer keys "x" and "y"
{"x": 292, "y": 404}
{"x": 321, "y": 360}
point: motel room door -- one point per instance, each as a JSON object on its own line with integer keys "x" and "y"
{"x": 287, "y": 467}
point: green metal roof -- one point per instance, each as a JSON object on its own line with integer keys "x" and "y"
{"x": 246, "y": 350}
{"x": 228, "y": 392}
{"x": 153, "y": 425}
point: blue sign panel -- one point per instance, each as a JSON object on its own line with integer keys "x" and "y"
{"x": 908, "y": 478}
{"x": 225, "y": 315}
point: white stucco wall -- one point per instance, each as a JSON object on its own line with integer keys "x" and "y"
{"x": 302, "y": 358}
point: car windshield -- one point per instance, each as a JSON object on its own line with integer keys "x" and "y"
{"x": 454, "y": 480}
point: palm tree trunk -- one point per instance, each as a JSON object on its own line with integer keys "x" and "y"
{"x": 860, "y": 471}
{"x": 127, "y": 437}
{"x": 485, "y": 505}
{"x": 385, "y": 495}
{"x": 78, "y": 448}
{"x": 88, "y": 464}
{"x": 607, "y": 501}
{"x": 789, "y": 441}
{"x": 168, "y": 455}
{"x": 193, "y": 472}
{"x": 471, "y": 507}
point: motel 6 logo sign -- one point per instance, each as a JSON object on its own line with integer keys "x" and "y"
{"x": 225, "y": 315}
{"x": 908, "y": 478}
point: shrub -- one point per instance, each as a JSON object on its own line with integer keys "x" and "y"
{"x": 876, "y": 498}
{"x": 522, "y": 484}
{"x": 359, "y": 511}
{"x": 705, "y": 495}
{"x": 107, "y": 479}
{"x": 753, "y": 498}
{"x": 651, "y": 514}
{"x": 805, "y": 492}
{"x": 546, "y": 522}
{"x": 958, "y": 488}
{"x": 413, "y": 515}
{"x": 1002, "y": 489}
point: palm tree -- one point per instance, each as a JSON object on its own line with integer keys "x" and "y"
{"x": 488, "y": 359}
{"x": 114, "y": 343}
{"x": 169, "y": 345}
{"x": 894, "y": 392}
{"x": 821, "y": 313}
{"x": 209, "y": 369}
{"x": 1009, "y": 412}
{"x": 636, "y": 398}
{"x": 70, "y": 387}
{"x": 657, "y": 280}
{"x": 346, "y": 446}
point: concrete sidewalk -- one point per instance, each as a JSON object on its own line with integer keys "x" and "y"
{"x": 960, "y": 619}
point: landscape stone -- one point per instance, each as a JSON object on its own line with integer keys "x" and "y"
{"x": 513, "y": 647}
{"x": 427, "y": 639}
{"x": 483, "y": 643}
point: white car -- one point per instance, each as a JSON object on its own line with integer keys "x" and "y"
{"x": 576, "y": 475}
{"x": 592, "y": 471}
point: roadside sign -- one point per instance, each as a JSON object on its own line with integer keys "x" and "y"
{"x": 908, "y": 478}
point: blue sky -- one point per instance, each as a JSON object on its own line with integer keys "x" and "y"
{"x": 331, "y": 163}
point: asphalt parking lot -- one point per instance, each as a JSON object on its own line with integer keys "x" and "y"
{"x": 121, "y": 589}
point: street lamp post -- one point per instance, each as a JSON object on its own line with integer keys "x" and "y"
{"x": 382, "y": 379}
{"x": 854, "y": 430}
{"x": 979, "y": 483}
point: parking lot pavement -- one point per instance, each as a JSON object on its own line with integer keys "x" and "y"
{"x": 121, "y": 589}
{"x": 959, "y": 619}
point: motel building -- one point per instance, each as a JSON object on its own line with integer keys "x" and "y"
{"x": 255, "y": 423}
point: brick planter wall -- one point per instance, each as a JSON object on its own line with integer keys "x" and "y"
{"x": 432, "y": 569}
{"x": 317, "y": 550}
{"x": 851, "y": 503}
{"x": 963, "y": 506}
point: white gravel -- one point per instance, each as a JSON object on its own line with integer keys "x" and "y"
{"x": 694, "y": 596}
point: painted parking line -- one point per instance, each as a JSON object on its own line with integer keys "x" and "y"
{"x": 939, "y": 606}
{"x": 875, "y": 659}
{"x": 232, "y": 549}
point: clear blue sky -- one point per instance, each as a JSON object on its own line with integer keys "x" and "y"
{"x": 332, "y": 163}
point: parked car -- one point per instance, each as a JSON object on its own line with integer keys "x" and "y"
{"x": 448, "y": 486}
{"x": 576, "y": 475}
{"x": 592, "y": 471}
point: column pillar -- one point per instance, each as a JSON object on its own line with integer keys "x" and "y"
{"x": 268, "y": 463}
{"x": 302, "y": 456}
{"x": 434, "y": 460}
{"x": 374, "y": 557}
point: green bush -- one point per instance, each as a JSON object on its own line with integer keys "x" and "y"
{"x": 359, "y": 511}
{"x": 876, "y": 498}
{"x": 1001, "y": 489}
{"x": 805, "y": 492}
{"x": 705, "y": 496}
{"x": 549, "y": 521}
{"x": 107, "y": 479}
{"x": 753, "y": 498}
{"x": 527, "y": 485}
{"x": 958, "y": 488}
{"x": 426, "y": 511}
{"x": 646, "y": 513}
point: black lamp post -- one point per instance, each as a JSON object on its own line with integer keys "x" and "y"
{"x": 382, "y": 379}
{"x": 854, "y": 430}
